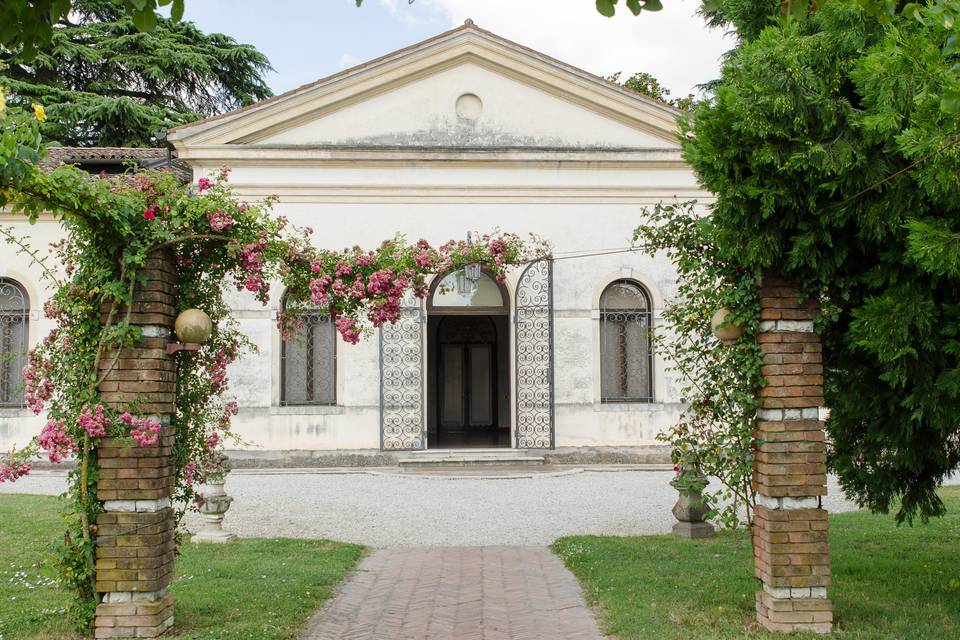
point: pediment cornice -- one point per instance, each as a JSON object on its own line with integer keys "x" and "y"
{"x": 465, "y": 45}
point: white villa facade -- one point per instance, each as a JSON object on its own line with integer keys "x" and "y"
{"x": 462, "y": 132}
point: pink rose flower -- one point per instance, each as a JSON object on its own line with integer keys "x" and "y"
{"x": 147, "y": 434}
{"x": 188, "y": 473}
{"x": 13, "y": 470}
{"x": 348, "y": 329}
{"x": 94, "y": 422}
{"x": 219, "y": 220}
{"x": 55, "y": 441}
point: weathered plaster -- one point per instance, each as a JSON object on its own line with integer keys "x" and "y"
{"x": 422, "y": 113}
{"x": 382, "y": 151}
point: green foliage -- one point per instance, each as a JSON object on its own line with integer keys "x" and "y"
{"x": 26, "y": 25}
{"x": 609, "y": 7}
{"x": 114, "y": 227}
{"x": 106, "y": 82}
{"x": 887, "y": 582}
{"x": 934, "y": 247}
{"x": 30, "y": 599}
{"x": 68, "y": 565}
{"x": 834, "y": 159}
{"x": 747, "y": 17}
{"x": 293, "y": 579}
{"x": 646, "y": 84}
{"x": 720, "y": 383}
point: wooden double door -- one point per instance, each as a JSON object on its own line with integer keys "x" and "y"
{"x": 467, "y": 381}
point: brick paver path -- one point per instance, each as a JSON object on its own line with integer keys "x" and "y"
{"x": 458, "y": 593}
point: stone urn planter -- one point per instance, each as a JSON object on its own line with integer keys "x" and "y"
{"x": 690, "y": 509}
{"x": 216, "y": 504}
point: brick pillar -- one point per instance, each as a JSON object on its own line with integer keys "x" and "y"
{"x": 791, "y": 552}
{"x": 135, "y": 546}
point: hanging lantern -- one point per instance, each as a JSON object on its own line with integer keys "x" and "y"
{"x": 723, "y": 328}
{"x": 466, "y": 285}
{"x": 472, "y": 272}
{"x": 468, "y": 277}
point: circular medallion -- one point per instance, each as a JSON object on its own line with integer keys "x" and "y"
{"x": 469, "y": 106}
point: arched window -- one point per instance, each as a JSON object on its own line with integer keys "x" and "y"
{"x": 308, "y": 362}
{"x": 626, "y": 360}
{"x": 14, "y": 325}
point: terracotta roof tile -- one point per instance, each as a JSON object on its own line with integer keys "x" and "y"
{"x": 153, "y": 157}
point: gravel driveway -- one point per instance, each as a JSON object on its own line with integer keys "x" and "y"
{"x": 387, "y": 508}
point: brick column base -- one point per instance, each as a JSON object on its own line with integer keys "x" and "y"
{"x": 140, "y": 616}
{"x": 135, "y": 539}
{"x": 790, "y": 545}
{"x": 135, "y": 534}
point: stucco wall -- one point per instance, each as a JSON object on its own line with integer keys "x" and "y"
{"x": 462, "y": 132}
{"x": 574, "y": 225}
{"x": 18, "y": 426}
{"x": 451, "y": 205}
{"x": 424, "y": 113}
{"x": 581, "y": 419}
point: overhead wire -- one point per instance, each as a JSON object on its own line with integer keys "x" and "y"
{"x": 569, "y": 255}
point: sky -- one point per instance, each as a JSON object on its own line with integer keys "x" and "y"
{"x": 309, "y": 39}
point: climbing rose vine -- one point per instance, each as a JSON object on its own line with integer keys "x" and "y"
{"x": 114, "y": 225}
{"x": 719, "y": 383}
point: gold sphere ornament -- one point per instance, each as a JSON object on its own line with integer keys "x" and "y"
{"x": 724, "y": 328}
{"x": 193, "y": 326}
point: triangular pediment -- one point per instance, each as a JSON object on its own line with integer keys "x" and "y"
{"x": 465, "y": 89}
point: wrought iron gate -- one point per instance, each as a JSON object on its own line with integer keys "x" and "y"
{"x": 401, "y": 379}
{"x": 533, "y": 319}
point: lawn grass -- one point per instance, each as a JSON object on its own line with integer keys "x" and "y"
{"x": 889, "y": 582}
{"x": 258, "y": 588}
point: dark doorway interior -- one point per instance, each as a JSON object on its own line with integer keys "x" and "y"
{"x": 469, "y": 382}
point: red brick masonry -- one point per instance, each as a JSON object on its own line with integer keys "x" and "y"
{"x": 458, "y": 593}
{"x": 135, "y": 543}
{"x": 135, "y": 619}
{"x": 790, "y": 541}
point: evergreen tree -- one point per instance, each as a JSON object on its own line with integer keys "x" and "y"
{"x": 832, "y": 144}
{"x": 26, "y": 25}
{"x": 648, "y": 85}
{"x": 104, "y": 82}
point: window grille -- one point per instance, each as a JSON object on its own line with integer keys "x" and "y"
{"x": 309, "y": 363}
{"x": 14, "y": 328}
{"x": 626, "y": 354}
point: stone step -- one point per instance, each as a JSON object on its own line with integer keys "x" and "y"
{"x": 466, "y": 458}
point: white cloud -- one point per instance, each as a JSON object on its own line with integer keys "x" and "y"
{"x": 346, "y": 61}
{"x": 400, "y": 13}
{"x": 674, "y": 44}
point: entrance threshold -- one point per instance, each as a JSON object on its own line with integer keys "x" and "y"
{"x": 470, "y": 457}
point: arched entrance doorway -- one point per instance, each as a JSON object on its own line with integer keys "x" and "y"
{"x": 524, "y": 352}
{"x": 468, "y": 373}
